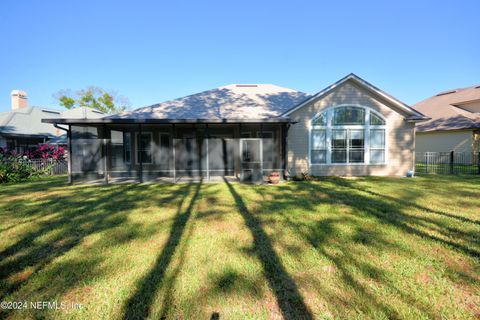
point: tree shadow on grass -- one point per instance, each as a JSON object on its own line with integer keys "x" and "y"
{"x": 289, "y": 299}
{"x": 139, "y": 304}
{"x": 342, "y": 251}
{"x": 65, "y": 219}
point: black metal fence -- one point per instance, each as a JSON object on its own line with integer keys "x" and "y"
{"x": 447, "y": 162}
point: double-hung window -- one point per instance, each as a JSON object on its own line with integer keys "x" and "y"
{"x": 347, "y": 135}
{"x": 144, "y": 147}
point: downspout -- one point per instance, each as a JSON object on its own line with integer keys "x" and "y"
{"x": 69, "y": 139}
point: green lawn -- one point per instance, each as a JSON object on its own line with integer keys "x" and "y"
{"x": 336, "y": 248}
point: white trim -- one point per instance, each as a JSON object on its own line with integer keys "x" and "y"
{"x": 328, "y": 132}
{"x": 136, "y": 147}
{"x": 364, "y": 84}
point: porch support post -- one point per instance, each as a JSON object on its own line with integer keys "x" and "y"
{"x": 198, "y": 143}
{"x": 261, "y": 149}
{"x": 140, "y": 160}
{"x": 69, "y": 160}
{"x": 208, "y": 162}
{"x": 105, "y": 154}
{"x": 238, "y": 158}
{"x": 174, "y": 160}
{"x": 285, "y": 128}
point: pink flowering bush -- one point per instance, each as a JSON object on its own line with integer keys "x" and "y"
{"x": 43, "y": 151}
{"x": 16, "y": 167}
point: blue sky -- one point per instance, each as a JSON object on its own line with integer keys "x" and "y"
{"x": 151, "y": 51}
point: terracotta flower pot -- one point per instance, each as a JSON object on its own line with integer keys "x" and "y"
{"x": 274, "y": 178}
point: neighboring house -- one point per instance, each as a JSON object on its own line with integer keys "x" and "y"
{"x": 245, "y": 131}
{"x": 22, "y": 127}
{"x": 455, "y": 123}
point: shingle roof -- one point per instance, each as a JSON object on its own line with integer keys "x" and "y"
{"x": 28, "y": 121}
{"x": 236, "y": 101}
{"x": 445, "y": 112}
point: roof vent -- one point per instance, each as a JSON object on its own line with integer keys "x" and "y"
{"x": 446, "y": 92}
{"x": 50, "y": 111}
{"x": 246, "y": 85}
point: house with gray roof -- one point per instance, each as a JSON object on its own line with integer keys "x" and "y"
{"x": 22, "y": 127}
{"x": 246, "y": 132}
{"x": 454, "y": 124}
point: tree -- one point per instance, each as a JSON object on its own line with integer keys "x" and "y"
{"x": 93, "y": 97}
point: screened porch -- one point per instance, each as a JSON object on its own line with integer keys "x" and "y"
{"x": 113, "y": 153}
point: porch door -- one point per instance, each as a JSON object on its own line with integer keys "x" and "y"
{"x": 251, "y": 159}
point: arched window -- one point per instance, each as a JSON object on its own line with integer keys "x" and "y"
{"x": 347, "y": 134}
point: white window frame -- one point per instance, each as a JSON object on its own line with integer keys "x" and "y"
{"x": 136, "y": 147}
{"x": 328, "y": 132}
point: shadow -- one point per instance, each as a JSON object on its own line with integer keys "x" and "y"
{"x": 139, "y": 304}
{"x": 289, "y": 299}
{"x": 349, "y": 220}
{"x": 220, "y": 103}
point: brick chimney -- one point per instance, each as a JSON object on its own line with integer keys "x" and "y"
{"x": 19, "y": 99}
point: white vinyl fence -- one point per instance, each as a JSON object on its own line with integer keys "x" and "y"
{"x": 54, "y": 166}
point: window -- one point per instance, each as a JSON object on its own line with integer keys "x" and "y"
{"x": 144, "y": 147}
{"x": 356, "y": 146}
{"x": 116, "y": 138}
{"x": 339, "y": 146}
{"x": 376, "y": 120}
{"x": 319, "y": 146}
{"x": 127, "y": 147}
{"x": 347, "y": 134}
{"x": 377, "y": 145}
{"x": 348, "y": 116}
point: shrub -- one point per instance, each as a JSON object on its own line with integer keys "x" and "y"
{"x": 15, "y": 168}
{"x": 43, "y": 151}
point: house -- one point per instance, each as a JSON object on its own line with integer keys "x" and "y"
{"x": 246, "y": 131}
{"x": 22, "y": 127}
{"x": 454, "y": 124}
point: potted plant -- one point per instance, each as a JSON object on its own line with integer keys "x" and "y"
{"x": 274, "y": 178}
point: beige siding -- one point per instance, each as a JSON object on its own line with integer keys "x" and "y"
{"x": 400, "y": 136}
{"x": 445, "y": 141}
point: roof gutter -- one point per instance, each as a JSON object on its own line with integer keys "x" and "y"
{"x": 164, "y": 121}
{"x": 61, "y": 128}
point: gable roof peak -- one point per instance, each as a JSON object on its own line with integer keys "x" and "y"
{"x": 413, "y": 114}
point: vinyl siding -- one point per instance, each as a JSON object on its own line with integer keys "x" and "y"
{"x": 400, "y": 136}
{"x": 445, "y": 141}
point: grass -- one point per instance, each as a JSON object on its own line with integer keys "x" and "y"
{"x": 336, "y": 248}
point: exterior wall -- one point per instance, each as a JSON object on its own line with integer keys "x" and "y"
{"x": 445, "y": 141}
{"x": 400, "y": 137}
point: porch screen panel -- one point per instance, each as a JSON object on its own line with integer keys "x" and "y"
{"x": 164, "y": 151}
{"x": 220, "y": 156}
{"x": 269, "y": 151}
{"x": 117, "y": 150}
{"x": 88, "y": 158}
{"x": 187, "y": 157}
